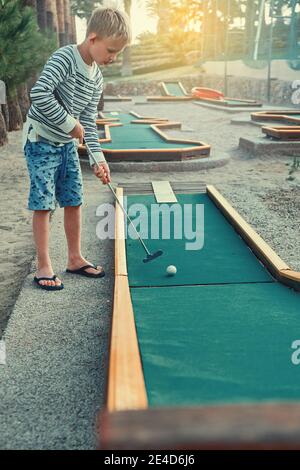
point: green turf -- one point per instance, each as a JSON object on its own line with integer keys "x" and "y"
{"x": 218, "y": 344}
{"x": 225, "y": 258}
{"x": 174, "y": 89}
{"x": 124, "y": 118}
{"x": 137, "y": 136}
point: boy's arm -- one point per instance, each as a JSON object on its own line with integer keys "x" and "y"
{"x": 88, "y": 119}
{"x": 56, "y": 70}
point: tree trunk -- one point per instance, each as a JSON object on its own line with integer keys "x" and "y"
{"x": 51, "y": 17}
{"x": 30, "y": 3}
{"x": 5, "y": 113}
{"x": 24, "y": 101}
{"x": 67, "y": 15}
{"x": 126, "y": 66}
{"x": 32, "y": 81}
{"x": 55, "y": 20}
{"x": 15, "y": 115}
{"x": 250, "y": 28}
{"x": 41, "y": 14}
{"x": 61, "y": 21}
{"x": 73, "y": 29}
{"x": 3, "y": 132}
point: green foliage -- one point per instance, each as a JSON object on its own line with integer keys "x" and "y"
{"x": 180, "y": 42}
{"x": 230, "y": 27}
{"x": 84, "y": 8}
{"x": 23, "y": 48}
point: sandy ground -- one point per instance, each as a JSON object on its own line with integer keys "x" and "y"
{"x": 53, "y": 383}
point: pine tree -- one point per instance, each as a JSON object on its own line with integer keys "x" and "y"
{"x": 23, "y": 50}
{"x": 84, "y": 8}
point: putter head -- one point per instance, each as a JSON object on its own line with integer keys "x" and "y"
{"x": 152, "y": 256}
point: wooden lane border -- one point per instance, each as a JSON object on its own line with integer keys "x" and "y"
{"x": 224, "y": 102}
{"x": 165, "y": 90}
{"x": 142, "y": 119}
{"x": 106, "y": 139}
{"x": 172, "y": 125}
{"x": 128, "y": 423}
{"x": 279, "y": 269}
{"x": 283, "y": 133}
{"x": 170, "y": 98}
{"x": 275, "y": 115}
{"x": 194, "y": 148}
{"x": 290, "y": 119}
{"x": 120, "y": 250}
{"x": 126, "y": 385}
{"x": 113, "y": 99}
{"x": 252, "y": 426}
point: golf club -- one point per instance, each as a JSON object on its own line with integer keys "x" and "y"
{"x": 150, "y": 256}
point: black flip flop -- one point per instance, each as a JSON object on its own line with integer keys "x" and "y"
{"x": 82, "y": 271}
{"x": 45, "y": 287}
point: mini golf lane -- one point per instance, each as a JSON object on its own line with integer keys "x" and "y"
{"x": 171, "y": 91}
{"x": 139, "y": 136}
{"x": 225, "y": 258}
{"x": 131, "y": 141}
{"x": 231, "y": 102}
{"x": 174, "y": 89}
{"x": 221, "y": 330}
{"x": 286, "y": 116}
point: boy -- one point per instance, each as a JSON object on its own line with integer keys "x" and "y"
{"x": 64, "y": 107}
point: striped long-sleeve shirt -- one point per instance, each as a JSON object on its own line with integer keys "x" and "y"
{"x": 79, "y": 87}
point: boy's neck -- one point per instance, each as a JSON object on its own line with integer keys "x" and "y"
{"x": 84, "y": 52}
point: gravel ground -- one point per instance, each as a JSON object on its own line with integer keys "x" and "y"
{"x": 53, "y": 383}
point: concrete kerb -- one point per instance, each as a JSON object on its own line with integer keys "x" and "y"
{"x": 185, "y": 165}
{"x": 264, "y": 146}
{"x": 227, "y": 109}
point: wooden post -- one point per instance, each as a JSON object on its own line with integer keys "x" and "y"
{"x": 29, "y": 3}
{"x": 61, "y": 21}
{"x": 41, "y": 14}
{"x": 51, "y": 12}
{"x": 73, "y": 29}
{"x": 67, "y": 15}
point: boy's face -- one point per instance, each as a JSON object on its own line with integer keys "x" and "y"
{"x": 104, "y": 51}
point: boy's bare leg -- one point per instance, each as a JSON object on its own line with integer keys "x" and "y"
{"x": 41, "y": 228}
{"x": 72, "y": 222}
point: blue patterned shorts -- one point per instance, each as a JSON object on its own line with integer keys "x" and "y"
{"x": 55, "y": 174}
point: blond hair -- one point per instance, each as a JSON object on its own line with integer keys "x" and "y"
{"x": 109, "y": 22}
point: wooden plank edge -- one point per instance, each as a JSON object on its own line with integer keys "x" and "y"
{"x": 120, "y": 250}
{"x": 280, "y": 270}
{"x": 126, "y": 385}
{"x": 265, "y": 426}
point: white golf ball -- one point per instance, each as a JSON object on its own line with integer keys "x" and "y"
{"x": 171, "y": 270}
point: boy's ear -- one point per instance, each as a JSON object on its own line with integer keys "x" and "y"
{"x": 92, "y": 36}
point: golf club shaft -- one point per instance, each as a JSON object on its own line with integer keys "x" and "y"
{"x": 120, "y": 204}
